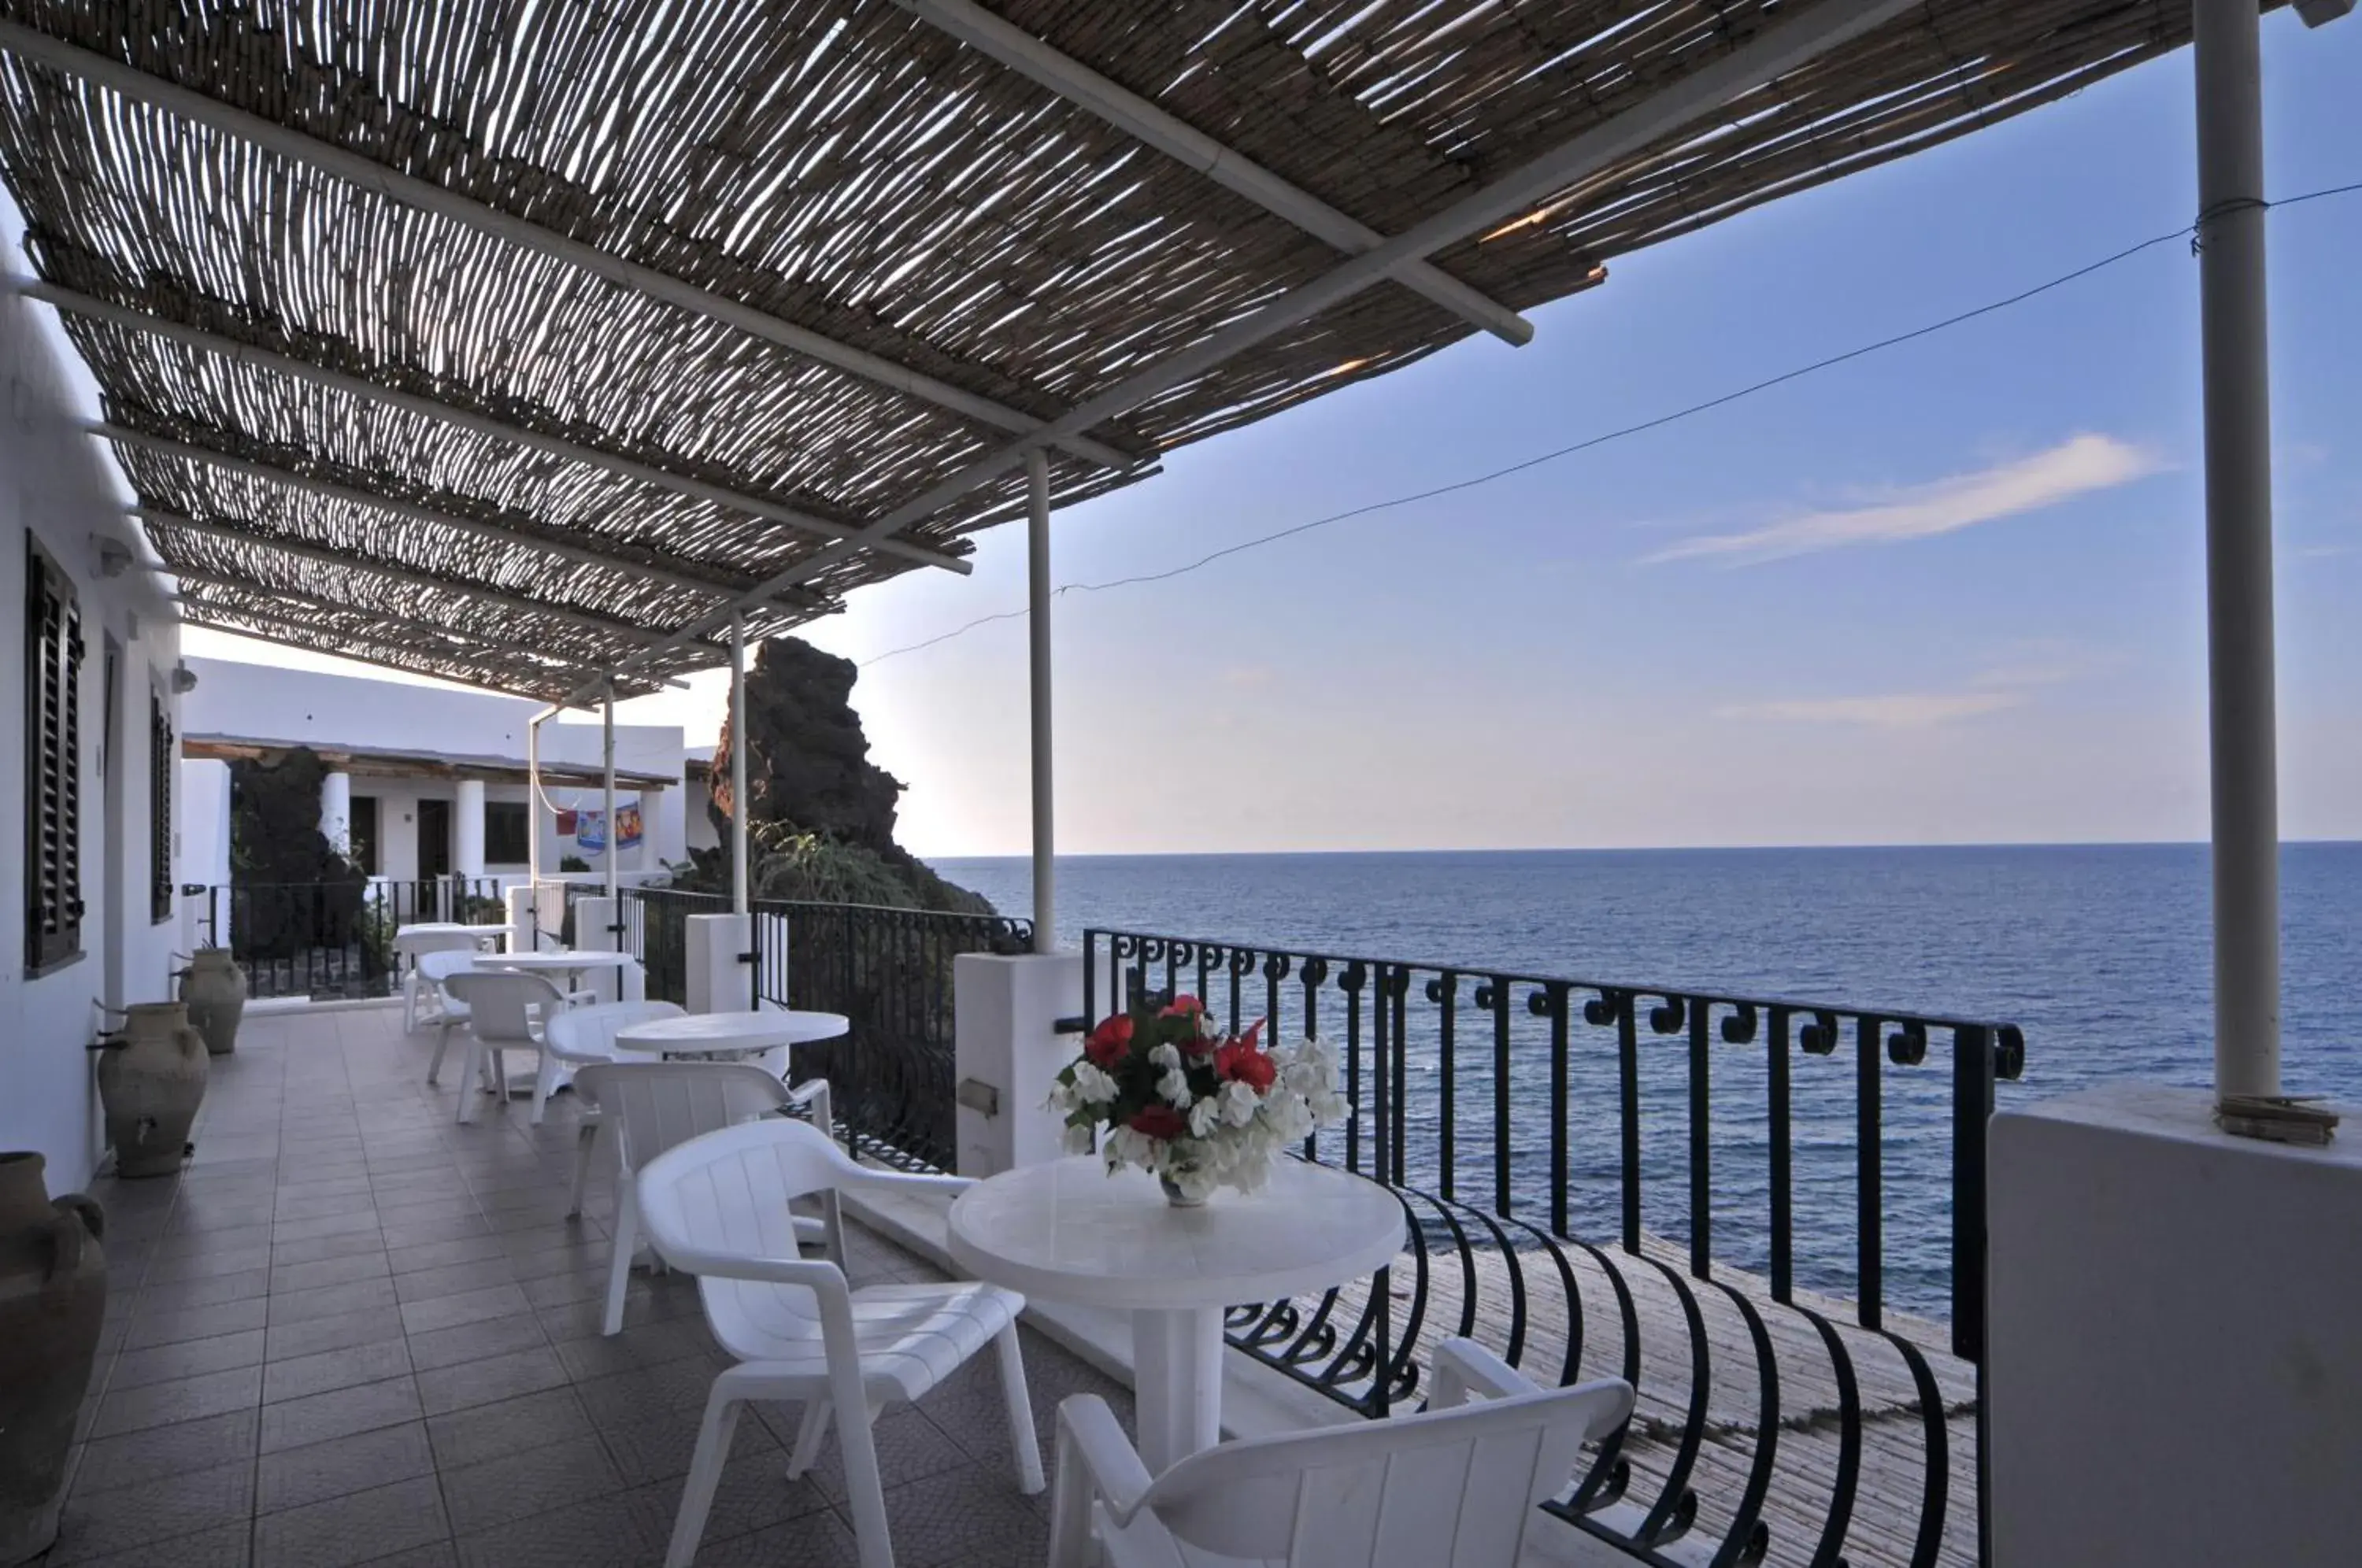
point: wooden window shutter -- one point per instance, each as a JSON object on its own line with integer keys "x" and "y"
{"x": 160, "y": 768}
{"x": 53, "y": 656}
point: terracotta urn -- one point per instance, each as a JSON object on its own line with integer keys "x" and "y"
{"x": 151, "y": 1078}
{"x": 214, "y": 987}
{"x": 52, "y": 1295}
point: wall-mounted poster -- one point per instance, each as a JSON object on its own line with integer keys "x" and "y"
{"x": 590, "y": 828}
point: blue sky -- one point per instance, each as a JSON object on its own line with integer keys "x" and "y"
{"x": 1950, "y": 592}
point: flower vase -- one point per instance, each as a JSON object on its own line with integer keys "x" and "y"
{"x": 151, "y": 1078}
{"x": 1176, "y": 1197}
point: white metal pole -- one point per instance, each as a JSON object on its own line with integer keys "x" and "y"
{"x": 1037, "y": 623}
{"x": 614, "y": 839}
{"x": 2237, "y": 345}
{"x": 738, "y": 764}
{"x": 533, "y": 793}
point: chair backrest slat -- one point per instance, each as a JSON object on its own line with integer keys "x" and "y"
{"x": 499, "y": 1002}
{"x": 728, "y": 1191}
{"x": 587, "y": 1034}
{"x": 1452, "y": 1488}
{"x": 661, "y": 1105}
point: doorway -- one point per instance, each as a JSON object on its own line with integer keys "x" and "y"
{"x": 433, "y": 856}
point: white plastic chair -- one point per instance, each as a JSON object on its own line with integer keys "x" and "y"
{"x": 501, "y": 1005}
{"x": 1459, "y": 1483}
{"x": 416, "y": 983}
{"x": 717, "y": 1207}
{"x": 437, "y": 968}
{"x": 581, "y": 1037}
{"x": 642, "y": 1109}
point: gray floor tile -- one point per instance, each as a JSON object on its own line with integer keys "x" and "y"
{"x": 475, "y": 1341}
{"x": 165, "y": 1328}
{"x": 661, "y": 1447}
{"x": 136, "y": 1369}
{"x": 815, "y": 1540}
{"x": 159, "y": 1452}
{"x": 345, "y": 1269}
{"x": 180, "y": 1399}
{"x": 224, "y": 1546}
{"x": 330, "y": 1301}
{"x": 452, "y": 1279}
{"x": 607, "y": 1532}
{"x": 443, "y": 1255}
{"x": 487, "y": 1431}
{"x": 965, "y": 1515}
{"x": 301, "y": 1377}
{"x": 96, "y": 1523}
{"x": 316, "y": 1249}
{"x": 297, "y": 1477}
{"x": 204, "y": 1290}
{"x": 298, "y": 1422}
{"x": 286, "y": 1340}
{"x": 352, "y": 1529}
{"x": 470, "y": 1307}
{"x": 515, "y": 1485}
{"x": 490, "y": 1380}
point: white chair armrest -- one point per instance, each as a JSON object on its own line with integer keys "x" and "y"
{"x": 1465, "y": 1368}
{"x": 824, "y": 1278}
{"x": 905, "y": 1181}
{"x": 1094, "y": 1452}
{"x": 803, "y": 1094}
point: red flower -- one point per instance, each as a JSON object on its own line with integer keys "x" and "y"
{"x": 1240, "y": 1062}
{"x": 1110, "y": 1042}
{"x": 1182, "y": 1006}
{"x": 1160, "y": 1121}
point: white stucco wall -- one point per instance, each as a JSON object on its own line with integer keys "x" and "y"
{"x": 57, "y": 486}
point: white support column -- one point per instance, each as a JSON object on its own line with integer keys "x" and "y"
{"x": 607, "y": 788}
{"x": 738, "y": 764}
{"x": 1037, "y": 626}
{"x": 336, "y": 810}
{"x": 1006, "y": 1051}
{"x": 720, "y": 979}
{"x": 2243, "y": 753}
{"x": 468, "y": 830}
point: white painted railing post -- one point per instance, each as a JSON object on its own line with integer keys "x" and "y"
{"x": 738, "y": 764}
{"x": 1037, "y": 624}
{"x": 2236, "y": 344}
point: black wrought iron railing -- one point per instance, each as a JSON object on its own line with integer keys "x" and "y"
{"x": 1768, "y": 1215}
{"x": 889, "y": 972}
{"x": 330, "y": 940}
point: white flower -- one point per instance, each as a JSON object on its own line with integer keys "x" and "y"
{"x": 1165, "y": 1055}
{"x": 1239, "y": 1103}
{"x": 1091, "y": 1086}
{"x": 1205, "y": 1116}
{"x": 1078, "y": 1140}
{"x": 1175, "y": 1086}
{"x": 1062, "y": 1098}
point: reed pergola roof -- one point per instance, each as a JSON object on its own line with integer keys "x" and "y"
{"x": 517, "y": 341}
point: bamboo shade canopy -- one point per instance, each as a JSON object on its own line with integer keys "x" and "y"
{"x": 837, "y": 258}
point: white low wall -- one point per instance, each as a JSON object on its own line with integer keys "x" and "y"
{"x": 1007, "y": 1051}
{"x": 2176, "y": 1364}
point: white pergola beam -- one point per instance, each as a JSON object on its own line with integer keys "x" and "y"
{"x": 1128, "y": 112}
{"x": 426, "y": 197}
{"x": 650, "y": 643}
{"x": 1777, "y": 49}
{"x": 801, "y": 603}
{"x": 559, "y": 446}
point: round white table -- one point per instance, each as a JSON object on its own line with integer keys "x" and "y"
{"x": 730, "y": 1033}
{"x": 1068, "y": 1231}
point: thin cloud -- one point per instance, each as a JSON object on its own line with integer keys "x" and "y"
{"x": 2075, "y": 467}
{"x": 1897, "y": 711}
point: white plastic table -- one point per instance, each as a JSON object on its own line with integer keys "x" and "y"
{"x": 730, "y": 1033}
{"x": 1068, "y": 1231}
{"x": 568, "y": 963}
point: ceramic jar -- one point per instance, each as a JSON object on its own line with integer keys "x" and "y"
{"x": 214, "y": 987}
{"x": 151, "y": 1078}
{"x": 52, "y": 1295}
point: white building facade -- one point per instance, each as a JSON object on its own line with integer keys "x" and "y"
{"x": 425, "y": 782}
{"x": 88, "y": 712}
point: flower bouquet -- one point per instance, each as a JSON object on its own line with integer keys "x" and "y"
{"x": 1196, "y": 1108}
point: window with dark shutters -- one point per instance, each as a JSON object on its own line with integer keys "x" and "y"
{"x": 160, "y": 760}
{"x": 52, "y": 765}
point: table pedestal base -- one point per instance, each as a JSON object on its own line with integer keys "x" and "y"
{"x": 1176, "y": 1375}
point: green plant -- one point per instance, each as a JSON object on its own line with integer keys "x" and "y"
{"x": 572, "y": 862}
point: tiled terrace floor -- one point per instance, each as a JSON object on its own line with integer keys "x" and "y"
{"x": 354, "y": 1332}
